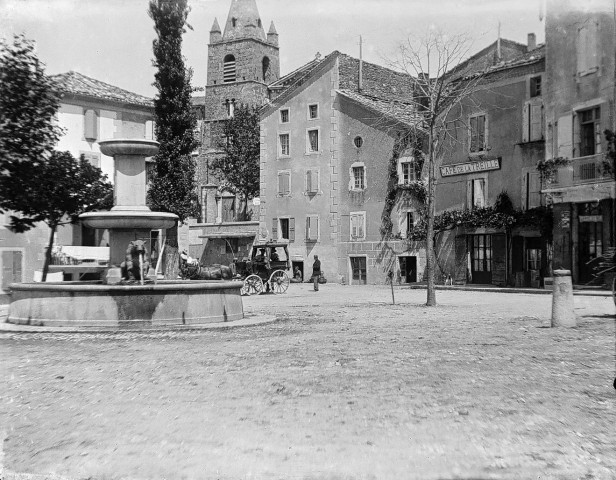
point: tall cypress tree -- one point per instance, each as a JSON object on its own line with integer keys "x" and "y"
{"x": 173, "y": 183}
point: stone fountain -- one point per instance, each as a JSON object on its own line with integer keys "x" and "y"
{"x": 141, "y": 305}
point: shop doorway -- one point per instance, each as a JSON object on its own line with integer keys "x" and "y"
{"x": 358, "y": 270}
{"x": 591, "y": 247}
{"x": 408, "y": 269}
{"x": 297, "y": 264}
{"x": 481, "y": 259}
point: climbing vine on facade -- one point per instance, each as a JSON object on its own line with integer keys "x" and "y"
{"x": 547, "y": 168}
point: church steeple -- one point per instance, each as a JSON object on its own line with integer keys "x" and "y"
{"x": 243, "y": 21}
{"x": 215, "y": 33}
{"x": 272, "y": 35}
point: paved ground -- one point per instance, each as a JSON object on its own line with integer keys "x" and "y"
{"x": 344, "y": 386}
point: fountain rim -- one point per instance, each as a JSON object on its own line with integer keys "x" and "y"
{"x": 161, "y": 285}
{"x": 129, "y": 146}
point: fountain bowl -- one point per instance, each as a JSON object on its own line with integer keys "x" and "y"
{"x": 164, "y": 304}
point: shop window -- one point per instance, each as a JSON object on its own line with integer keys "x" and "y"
{"x": 533, "y": 259}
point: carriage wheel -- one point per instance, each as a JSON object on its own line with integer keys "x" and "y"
{"x": 279, "y": 281}
{"x": 253, "y": 285}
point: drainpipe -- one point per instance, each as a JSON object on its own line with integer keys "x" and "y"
{"x": 361, "y": 65}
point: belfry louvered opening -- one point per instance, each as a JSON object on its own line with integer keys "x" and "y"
{"x": 229, "y": 74}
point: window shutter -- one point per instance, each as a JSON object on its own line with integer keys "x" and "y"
{"x": 279, "y": 183}
{"x": 565, "y": 136}
{"x": 315, "y": 225}
{"x": 91, "y": 125}
{"x": 481, "y": 133}
{"x": 469, "y": 194}
{"x": 309, "y": 181}
{"x": 360, "y": 225}
{"x": 525, "y": 177}
{"x": 275, "y": 228}
{"x": 591, "y": 47}
{"x": 525, "y": 122}
{"x": 597, "y": 136}
{"x": 314, "y": 181}
{"x": 285, "y": 183}
{"x": 353, "y": 226}
{"x": 473, "y": 139}
{"x": 536, "y": 121}
{"x": 291, "y": 229}
{"x": 307, "y": 228}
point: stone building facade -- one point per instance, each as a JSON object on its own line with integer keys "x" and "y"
{"x": 580, "y": 106}
{"x": 326, "y": 143}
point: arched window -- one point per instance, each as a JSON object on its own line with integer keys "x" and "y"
{"x": 266, "y": 68}
{"x": 228, "y": 74}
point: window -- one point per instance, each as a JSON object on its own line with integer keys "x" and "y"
{"x": 532, "y": 121}
{"x": 90, "y": 125}
{"x": 476, "y": 193}
{"x": 359, "y": 182}
{"x": 312, "y": 228}
{"x": 283, "y": 142}
{"x": 284, "y": 183}
{"x": 230, "y": 107}
{"x": 478, "y": 134}
{"x": 284, "y": 115}
{"x": 313, "y": 111}
{"x": 535, "y": 87}
{"x": 358, "y": 141}
{"x": 410, "y": 223}
{"x": 408, "y": 172}
{"x": 590, "y": 131}
{"x": 284, "y": 229}
{"x": 358, "y": 225}
{"x": 234, "y": 22}
{"x": 228, "y": 72}
{"x": 312, "y": 182}
{"x": 587, "y": 49}
{"x": 265, "y": 66}
{"x": 533, "y": 259}
{"x": 531, "y": 189}
{"x": 313, "y": 141}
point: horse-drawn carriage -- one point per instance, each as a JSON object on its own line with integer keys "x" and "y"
{"x": 265, "y": 269}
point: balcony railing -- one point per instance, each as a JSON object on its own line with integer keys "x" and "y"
{"x": 581, "y": 171}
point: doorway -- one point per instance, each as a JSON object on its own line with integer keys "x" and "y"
{"x": 358, "y": 270}
{"x": 591, "y": 247}
{"x": 408, "y": 269}
{"x": 481, "y": 259}
{"x": 297, "y": 264}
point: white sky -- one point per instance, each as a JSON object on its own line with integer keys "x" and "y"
{"x": 111, "y": 40}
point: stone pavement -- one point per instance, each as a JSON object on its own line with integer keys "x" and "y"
{"x": 345, "y": 386}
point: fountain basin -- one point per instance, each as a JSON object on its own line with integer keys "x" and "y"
{"x": 164, "y": 304}
{"x": 129, "y": 146}
{"x": 129, "y": 219}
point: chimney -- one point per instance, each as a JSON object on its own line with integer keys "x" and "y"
{"x": 532, "y": 42}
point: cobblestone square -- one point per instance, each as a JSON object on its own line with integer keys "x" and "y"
{"x": 344, "y": 385}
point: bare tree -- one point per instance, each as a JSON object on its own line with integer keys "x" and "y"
{"x": 442, "y": 80}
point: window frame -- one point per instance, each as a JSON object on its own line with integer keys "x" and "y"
{"x": 595, "y": 111}
{"x": 352, "y": 179}
{"x": 309, "y": 238}
{"x": 280, "y": 152}
{"x": 309, "y": 150}
{"x": 362, "y": 215}
{"x": 318, "y": 111}
{"x": 470, "y": 191}
{"x": 288, "y": 112}
{"x": 485, "y": 147}
{"x": 279, "y": 174}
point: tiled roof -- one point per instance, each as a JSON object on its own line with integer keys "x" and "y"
{"x": 403, "y": 112}
{"x": 487, "y": 58}
{"x": 78, "y": 84}
{"x": 377, "y": 81}
{"x": 290, "y": 78}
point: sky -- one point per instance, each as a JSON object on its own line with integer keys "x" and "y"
{"x": 111, "y": 40}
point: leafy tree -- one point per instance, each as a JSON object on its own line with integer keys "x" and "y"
{"x": 173, "y": 187}
{"x": 56, "y": 192}
{"x": 28, "y": 103}
{"x": 238, "y": 168}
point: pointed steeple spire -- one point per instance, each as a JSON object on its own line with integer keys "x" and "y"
{"x": 272, "y": 35}
{"x": 243, "y": 21}
{"x": 215, "y": 33}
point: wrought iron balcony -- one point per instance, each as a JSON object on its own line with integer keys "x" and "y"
{"x": 582, "y": 171}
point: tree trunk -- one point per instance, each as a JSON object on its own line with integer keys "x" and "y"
{"x": 171, "y": 254}
{"x": 431, "y": 295}
{"x": 52, "y": 232}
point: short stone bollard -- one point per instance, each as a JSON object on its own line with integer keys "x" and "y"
{"x": 563, "y": 314}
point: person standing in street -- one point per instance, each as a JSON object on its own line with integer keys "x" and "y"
{"x": 316, "y": 272}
